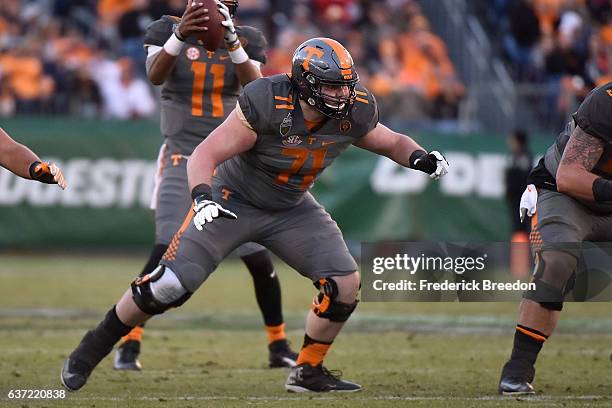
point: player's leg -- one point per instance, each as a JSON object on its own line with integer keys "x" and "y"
{"x": 268, "y": 294}
{"x": 148, "y": 296}
{"x": 309, "y": 241}
{"x": 189, "y": 260}
{"x": 561, "y": 226}
{"x": 126, "y": 356}
{"x": 171, "y": 201}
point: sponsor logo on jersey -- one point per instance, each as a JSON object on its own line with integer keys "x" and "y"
{"x": 286, "y": 125}
{"x": 345, "y": 126}
{"x": 192, "y": 53}
{"x": 292, "y": 140}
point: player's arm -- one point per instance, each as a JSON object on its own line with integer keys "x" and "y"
{"x": 574, "y": 176}
{"x": 161, "y": 59}
{"x": 232, "y": 137}
{"x": 227, "y": 140}
{"x": 22, "y": 161}
{"x": 403, "y": 150}
{"x": 247, "y": 70}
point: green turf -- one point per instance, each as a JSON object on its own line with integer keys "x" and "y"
{"x": 211, "y": 352}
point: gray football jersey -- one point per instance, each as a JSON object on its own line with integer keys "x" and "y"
{"x": 287, "y": 156}
{"x": 202, "y": 88}
{"x": 594, "y": 117}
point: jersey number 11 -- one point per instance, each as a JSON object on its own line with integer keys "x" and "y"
{"x": 197, "y": 95}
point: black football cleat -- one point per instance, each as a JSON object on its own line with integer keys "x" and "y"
{"x": 515, "y": 386}
{"x": 74, "y": 374}
{"x": 306, "y": 378}
{"x": 281, "y": 354}
{"x": 126, "y": 356}
{"x": 516, "y": 378}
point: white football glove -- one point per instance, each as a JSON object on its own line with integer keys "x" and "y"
{"x": 207, "y": 211}
{"x": 432, "y": 163}
{"x": 529, "y": 201}
{"x": 441, "y": 165}
{"x": 230, "y": 36}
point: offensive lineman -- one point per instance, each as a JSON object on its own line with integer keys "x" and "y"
{"x": 284, "y": 131}
{"x": 199, "y": 89}
{"x": 20, "y": 160}
{"x": 574, "y": 204}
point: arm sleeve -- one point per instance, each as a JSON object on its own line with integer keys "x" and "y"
{"x": 365, "y": 112}
{"x": 374, "y": 115}
{"x": 254, "y": 103}
{"x": 241, "y": 116}
{"x": 593, "y": 115}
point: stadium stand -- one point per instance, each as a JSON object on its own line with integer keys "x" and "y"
{"x": 73, "y": 51}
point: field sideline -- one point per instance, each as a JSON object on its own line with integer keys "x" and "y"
{"x": 212, "y": 352}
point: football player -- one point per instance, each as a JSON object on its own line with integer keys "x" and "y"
{"x": 283, "y": 132}
{"x": 571, "y": 187}
{"x": 20, "y": 160}
{"x": 199, "y": 88}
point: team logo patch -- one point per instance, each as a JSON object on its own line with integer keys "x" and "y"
{"x": 292, "y": 140}
{"x": 192, "y": 53}
{"x": 345, "y": 126}
{"x": 286, "y": 125}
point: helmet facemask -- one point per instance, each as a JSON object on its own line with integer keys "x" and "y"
{"x": 336, "y": 107}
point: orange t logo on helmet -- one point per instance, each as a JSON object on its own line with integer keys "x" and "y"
{"x": 346, "y": 62}
{"x": 312, "y": 51}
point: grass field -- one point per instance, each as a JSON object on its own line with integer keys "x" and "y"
{"x": 212, "y": 351}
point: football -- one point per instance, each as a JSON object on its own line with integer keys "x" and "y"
{"x": 211, "y": 38}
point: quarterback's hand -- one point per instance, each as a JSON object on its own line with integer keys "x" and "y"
{"x": 529, "y": 201}
{"x": 193, "y": 20}
{"x": 230, "y": 36}
{"x": 432, "y": 163}
{"x": 47, "y": 173}
{"x": 207, "y": 210}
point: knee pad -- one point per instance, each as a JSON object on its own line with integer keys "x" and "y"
{"x": 159, "y": 291}
{"x": 325, "y": 304}
{"x": 554, "y": 276}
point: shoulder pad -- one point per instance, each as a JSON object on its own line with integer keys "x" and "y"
{"x": 158, "y": 32}
{"x": 593, "y": 115}
{"x": 253, "y": 42}
{"x": 263, "y": 98}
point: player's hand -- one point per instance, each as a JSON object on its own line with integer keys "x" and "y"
{"x": 193, "y": 19}
{"x": 230, "y": 36}
{"x": 207, "y": 210}
{"x": 47, "y": 173}
{"x": 433, "y": 163}
{"x": 529, "y": 201}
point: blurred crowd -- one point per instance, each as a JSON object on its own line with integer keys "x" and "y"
{"x": 564, "y": 46}
{"x": 85, "y": 57}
